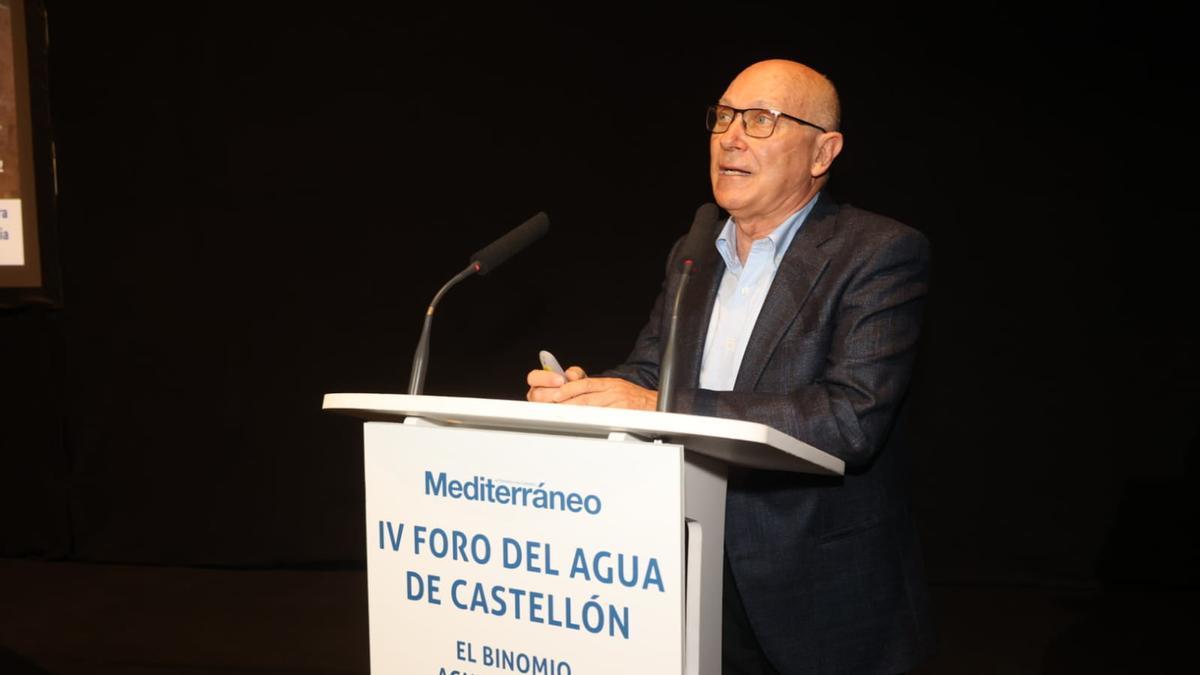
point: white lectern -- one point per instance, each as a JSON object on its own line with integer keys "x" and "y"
{"x": 506, "y": 536}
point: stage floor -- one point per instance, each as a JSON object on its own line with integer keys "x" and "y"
{"x": 70, "y": 618}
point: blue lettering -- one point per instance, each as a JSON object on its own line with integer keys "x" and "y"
{"x": 570, "y": 624}
{"x": 498, "y": 604}
{"x": 517, "y": 594}
{"x": 484, "y": 489}
{"x": 532, "y": 555}
{"x": 535, "y": 606}
{"x": 479, "y": 599}
{"x": 550, "y": 612}
{"x": 438, "y": 542}
{"x": 437, "y": 487}
{"x": 415, "y": 582}
{"x": 394, "y": 534}
{"x": 603, "y": 575}
{"x": 512, "y": 554}
{"x": 654, "y": 576}
{"x": 618, "y": 622}
{"x": 434, "y": 580}
{"x": 632, "y": 580}
{"x": 579, "y": 566}
{"x": 481, "y": 549}
{"x": 458, "y": 583}
{"x": 505, "y": 659}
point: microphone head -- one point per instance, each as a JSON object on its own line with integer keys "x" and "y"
{"x": 494, "y": 254}
{"x": 699, "y": 236}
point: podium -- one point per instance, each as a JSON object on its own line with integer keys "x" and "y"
{"x": 508, "y": 536}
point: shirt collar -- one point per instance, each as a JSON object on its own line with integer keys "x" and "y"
{"x": 779, "y": 239}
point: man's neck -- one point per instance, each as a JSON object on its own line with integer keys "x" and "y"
{"x": 747, "y": 232}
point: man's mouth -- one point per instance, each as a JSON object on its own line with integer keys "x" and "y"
{"x": 730, "y": 171}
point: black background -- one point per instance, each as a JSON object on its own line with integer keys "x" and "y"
{"x": 257, "y": 203}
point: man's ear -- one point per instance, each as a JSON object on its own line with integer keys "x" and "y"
{"x": 829, "y": 146}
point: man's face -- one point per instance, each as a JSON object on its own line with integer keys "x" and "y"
{"x": 763, "y": 180}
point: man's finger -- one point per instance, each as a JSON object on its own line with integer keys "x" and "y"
{"x": 585, "y": 386}
{"x": 544, "y": 378}
{"x": 543, "y": 394}
{"x": 575, "y": 373}
{"x": 599, "y": 399}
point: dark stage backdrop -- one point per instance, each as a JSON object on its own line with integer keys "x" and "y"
{"x": 257, "y": 204}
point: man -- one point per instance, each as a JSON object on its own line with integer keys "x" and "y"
{"x": 803, "y": 316}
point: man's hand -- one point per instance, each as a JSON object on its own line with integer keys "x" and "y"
{"x": 579, "y": 389}
{"x": 544, "y": 384}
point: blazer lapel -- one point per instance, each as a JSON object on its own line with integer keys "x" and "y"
{"x": 798, "y": 272}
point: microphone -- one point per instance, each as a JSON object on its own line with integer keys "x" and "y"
{"x": 482, "y": 261}
{"x": 496, "y": 253}
{"x": 697, "y": 238}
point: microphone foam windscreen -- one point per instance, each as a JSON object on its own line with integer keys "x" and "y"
{"x": 699, "y": 236}
{"x": 494, "y": 254}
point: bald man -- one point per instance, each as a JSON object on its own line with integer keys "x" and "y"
{"x": 803, "y": 315}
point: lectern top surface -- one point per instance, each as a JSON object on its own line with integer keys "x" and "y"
{"x": 737, "y": 442}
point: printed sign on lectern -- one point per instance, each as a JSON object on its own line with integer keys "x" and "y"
{"x": 508, "y": 552}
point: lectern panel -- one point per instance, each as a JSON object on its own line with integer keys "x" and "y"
{"x": 497, "y": 551}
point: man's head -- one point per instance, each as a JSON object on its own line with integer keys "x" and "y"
{"x": 760, "y": 181}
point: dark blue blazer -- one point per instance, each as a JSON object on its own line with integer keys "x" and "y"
{"x": 829, "y": 569}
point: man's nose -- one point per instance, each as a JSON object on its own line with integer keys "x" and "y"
{"x": 734, "y": 137}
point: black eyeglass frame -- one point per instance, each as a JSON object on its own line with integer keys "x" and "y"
{"x": 711, "y": 118}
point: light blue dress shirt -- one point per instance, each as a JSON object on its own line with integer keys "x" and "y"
{"x": 740, "y": 297}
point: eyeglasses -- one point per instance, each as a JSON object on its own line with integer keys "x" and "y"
{"x": 758, "y": 122}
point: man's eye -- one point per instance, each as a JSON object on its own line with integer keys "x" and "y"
{"x": 724, "y": 116}
{"x": 763, "y": 119}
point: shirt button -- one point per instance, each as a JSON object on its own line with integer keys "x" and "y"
{"x": 729, "y": 344}
{"x": 745, "y": 291}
